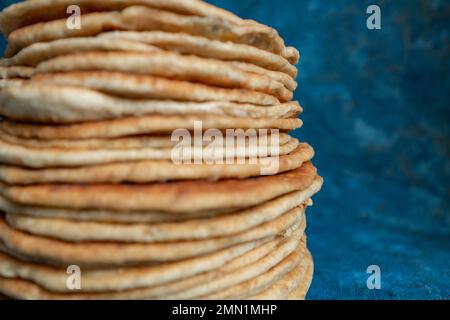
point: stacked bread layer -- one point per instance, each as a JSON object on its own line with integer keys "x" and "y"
{"x": 87, "y": 170}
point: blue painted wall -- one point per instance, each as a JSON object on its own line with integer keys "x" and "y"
{"x": 377, "y": 112}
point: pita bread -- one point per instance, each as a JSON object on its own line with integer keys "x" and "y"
{"x": 129, "y": 142}
{"x": 283, "y": 288}
{"x": 107, "y": 254}
{"x": 119, "y": 217}
{"x": 142, "y": 87}
{"x": 30, "y": 12}
{"x": 259, "y": 282}
{"x": 51, "y": 103}
{"x": 132, "y": 142}
{"x": 237, "y": 281}
{"x": 181, "y": 197}
{"x": 292, "y": 55}
{"x": 170, "y": 65}
{"x": 152, "y": 171}
{"x": 157, "y": 280}
{"x": 249, "y": 32}
{"x": 146, "y": 280}
{"x": 21, "y": 289}
{"x": 36, "y": 101}
{"x": 281, "y": 77}
{"x": 140, "y": 18}
{"x": 50, "y": 282}
{"x": 156, "y": 124}
{"x": 237, "y": 270}
{"x": 204, "y": 47}
{"x": 196, "y": 229}
{"x": 105, "y": 215}
{"x": 20, "y": 72}
{"x": 38, "y": 52}
{"x": 57, "y": 157}
{"x": 302, "y": 290}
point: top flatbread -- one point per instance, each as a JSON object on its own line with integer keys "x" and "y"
{"x": 244, "y": 57}
{"x": 140, "y": 18}
{"x": 153, "y": 41}
{"x": 30, "y": 12}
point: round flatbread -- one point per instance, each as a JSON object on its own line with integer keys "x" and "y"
{"x": 126, "y": 217}
{"x": 169, "y": 65}
{"x": 196, "y": 229}
{"x": 147, "y": 171}
{"x": 217, "y": 154}
{"x": 207, "y": 48}
{"x": 30, "y": 12}
{"x": 139, "y": 18}
{"x": 176, "y": 197}
{"x": 300, "y": 276}
{"x": 50, "y": 283}
{"x": 108, "y": 255}
{"x": 150, "y": 124}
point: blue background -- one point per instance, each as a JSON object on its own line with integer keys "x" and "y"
{"x": 377, "y": 112}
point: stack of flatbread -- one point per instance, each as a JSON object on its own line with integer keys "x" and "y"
{"x": 88, "y": 182}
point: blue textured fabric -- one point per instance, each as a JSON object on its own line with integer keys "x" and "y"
{"x": 377, "y": 112}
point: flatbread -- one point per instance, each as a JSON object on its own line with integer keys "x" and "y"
{"x": 292, "y": 55}
{"x": 38, "y": 52}
{"x": 244, "y": 57}
{"x": 279, "y": 262}
{"x": 51, "y": 103}
{"x": 150, "y": 87}
{"x": 283, "y": 288}
{"x": 156, "y": 280}
{"x": 145, "y": 280}
{"x": 184, "y": 196}
{"x": 132, "y": 142}
{"x": 30, "y": 12}
{"x": 147, "y": 171}
{"x": 258, "y": 283}
{"x": 302, "y": 290}
{"x": 140, "y": 18}
{"x": 20, "y": 72}
{"x": 196, "y": 229}
{"x": 204, "y": 47}
{"x": 101, "y": 255}
{"x": 220, "y": 154}
{"x": 126, "y": 217}
{"x": 105, "y": 215}
{"x": 155, "y": 124}
{"x": 170, "y": 65}
{"x": 50, "y": 283}
{"x": 34, "y": 102}
{"x": 281, "y": 77}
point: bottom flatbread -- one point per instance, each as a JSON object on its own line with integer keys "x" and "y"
{"x": 299, "y": 279}
{"x": 302, "y": 290}
{"x": 237, "y": 271}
